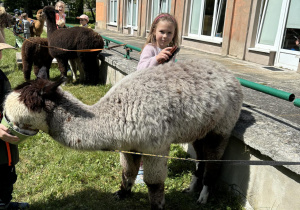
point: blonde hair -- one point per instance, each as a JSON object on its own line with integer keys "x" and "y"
{"x": 2, "y": 10}
{"x": 62, "y": 3}
{"x": 162, "y": 17}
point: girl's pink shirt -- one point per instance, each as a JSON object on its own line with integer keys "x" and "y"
{"x": 148, "y": 57}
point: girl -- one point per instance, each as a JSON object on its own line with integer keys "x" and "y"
{"x": 60, "y": 16}
{"x": 162, "y": 37}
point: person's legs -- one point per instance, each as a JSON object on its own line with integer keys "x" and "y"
{"x": 7, "y": 178}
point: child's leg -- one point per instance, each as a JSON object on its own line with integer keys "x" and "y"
{"x": 8, "y": 177}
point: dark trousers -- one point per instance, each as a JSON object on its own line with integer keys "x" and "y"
{"x": 8, "y": 177}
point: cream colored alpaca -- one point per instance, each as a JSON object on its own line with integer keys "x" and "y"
{"x": 194, "y": 102}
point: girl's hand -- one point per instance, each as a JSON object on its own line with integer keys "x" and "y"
{"x": 5, "y": 136}
{"x": 164, "y": 55}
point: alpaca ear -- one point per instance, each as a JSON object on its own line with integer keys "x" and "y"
{"x": 51, "y": 88}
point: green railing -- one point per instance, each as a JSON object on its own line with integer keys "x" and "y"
{"x": 128, "y": 48}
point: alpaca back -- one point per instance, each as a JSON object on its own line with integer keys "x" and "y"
{"x": 181, "y": 101}
{"x": 75, "y": 38}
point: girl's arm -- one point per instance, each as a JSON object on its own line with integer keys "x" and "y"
{"x": 147, "y": 58}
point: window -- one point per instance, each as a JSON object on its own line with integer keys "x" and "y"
{"x": 160, "y": 6}
{"x": 113, "y": 11}
{"x": 269, "y": 22}
{"x": 207, "y": 18}
{"x": 132, "y": 12}
{"x": 291, "y": 38}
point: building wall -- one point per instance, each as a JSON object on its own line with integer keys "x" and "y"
{"x": 239, "y": 33}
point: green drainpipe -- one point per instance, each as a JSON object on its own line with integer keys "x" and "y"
{"x": 268, "y": 90}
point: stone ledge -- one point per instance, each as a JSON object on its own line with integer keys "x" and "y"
{"x": 115, "y": 59}
{"x": 271, "y": 135}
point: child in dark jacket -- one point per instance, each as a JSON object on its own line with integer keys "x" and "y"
{"x": 9, "y": 154}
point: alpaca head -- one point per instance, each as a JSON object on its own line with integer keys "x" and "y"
{"x": 27, "y": 106}
{"x": 39, "y": 15}
{"x": 48, "y": 13}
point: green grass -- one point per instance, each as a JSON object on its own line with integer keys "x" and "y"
{"x": 51, "y": 176}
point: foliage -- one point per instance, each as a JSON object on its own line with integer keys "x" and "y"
{"x": 27, "y": 5}
{"x": 51, "y": 176}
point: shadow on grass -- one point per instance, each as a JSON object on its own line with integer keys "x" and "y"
{"x": 91, "y": 199}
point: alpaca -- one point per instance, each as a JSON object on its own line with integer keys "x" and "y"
{"x": 6, "y": 20}
{"x": 37, "y": 27}
{"x": 76, "y": 38}
{"x": 34, "y": 54}
{"x": 195, "y": 101}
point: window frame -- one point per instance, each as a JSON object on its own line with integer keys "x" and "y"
{"x": 112, "y": 15}
{"x": 131, "y": 18}
{"x": 168, "y": 9}
{"x": 278, "y": 37}
{"x": 215, "y": 22}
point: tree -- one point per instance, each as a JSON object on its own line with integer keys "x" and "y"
{"x": 91, "y": 4}
{"x": 27, "y": 5}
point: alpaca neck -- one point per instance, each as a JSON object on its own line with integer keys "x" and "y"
{"x": 51, "y": 27}
{"x": 78, "y": 126}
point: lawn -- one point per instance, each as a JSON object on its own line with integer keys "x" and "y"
{"x": 51, "y": 176}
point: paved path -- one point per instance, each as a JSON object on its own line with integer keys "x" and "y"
{"x": 281, "y": 79}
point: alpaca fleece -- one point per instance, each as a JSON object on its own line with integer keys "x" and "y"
{"x": 34, "y": 54}
{"x": 37, "y": 27}
{"x": 195, "y": 101}
{"x": 75, "y": 38}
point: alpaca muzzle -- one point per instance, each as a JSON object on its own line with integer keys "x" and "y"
{"x": 23, "y": 134}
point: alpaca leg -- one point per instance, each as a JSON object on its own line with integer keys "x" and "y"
{"x": 62, "y": 65}
{"x": 81, "y": 71}
{"x": 27, "y": 65}
{"x": 130, "y": 164}
{"x": 155, "y": 174}
{"x": 214, "y": 146}
{"x": 36, "y": 69}
{"x": 196, "y": 183}
{"x": 91, "y": 68}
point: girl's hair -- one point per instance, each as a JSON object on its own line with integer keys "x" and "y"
{"x": 60, "y": 2}
{"x": 163, "y": 17}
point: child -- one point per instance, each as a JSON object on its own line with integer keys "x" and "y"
{"x": 162, "y": 37}
{"x": 60, "y": 16}
{"x": 9, "y": 154}
{"x": 84, "y": 19}
{"x": 26, "y": 25}
{"x": 18, "y": 31}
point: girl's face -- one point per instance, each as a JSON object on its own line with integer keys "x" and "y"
{"x": 60, "y": 7}
{"x": 164, "y": 33}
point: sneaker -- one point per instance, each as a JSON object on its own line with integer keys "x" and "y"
{"x": 17, "y": 206}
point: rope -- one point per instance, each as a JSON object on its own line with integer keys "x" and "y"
{"x": 227, "y": 162}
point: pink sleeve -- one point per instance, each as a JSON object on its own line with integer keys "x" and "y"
{"x": 147, "y": 58}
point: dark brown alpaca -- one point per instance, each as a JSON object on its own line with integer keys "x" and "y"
{"x": 76, "y": 38}
{"x": 34, "y": 54}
